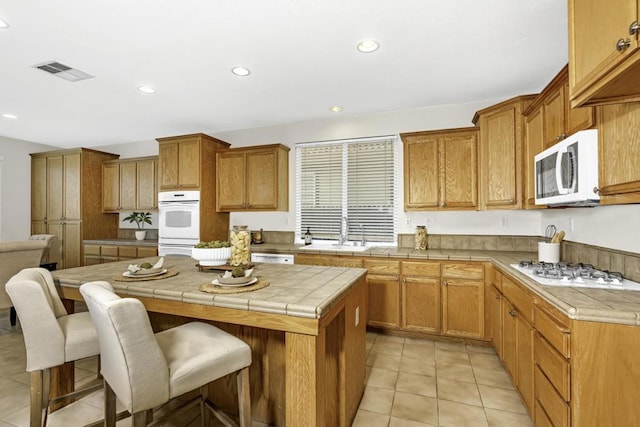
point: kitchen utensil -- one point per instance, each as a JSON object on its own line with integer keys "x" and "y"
{"x": 557, "y": 238}
{"x": 549, "y": 232}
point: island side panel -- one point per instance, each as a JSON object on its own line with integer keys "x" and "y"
{"x": 355, "y": 342}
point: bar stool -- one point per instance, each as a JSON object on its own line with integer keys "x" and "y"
{"x": 51, "y": 336}
{"x": 146, "y": 370}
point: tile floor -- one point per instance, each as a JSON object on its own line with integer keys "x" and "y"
{"x": 410, "y": 383}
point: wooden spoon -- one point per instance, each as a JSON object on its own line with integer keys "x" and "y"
{"x": 557, "y": 238}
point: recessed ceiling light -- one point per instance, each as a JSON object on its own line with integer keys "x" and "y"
{"x": 3, "y": 25}
{"x": 9, "y": 116}
{"x": 335, "y": 109}
{"x": 240, "y": 71}
{"x": 368, "y": 46}
{"x": 146, "y": 89}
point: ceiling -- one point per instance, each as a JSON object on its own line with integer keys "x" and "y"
{"x": 301, "y": 53}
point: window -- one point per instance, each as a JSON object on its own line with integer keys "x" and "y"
{"x": 353, "y": 179}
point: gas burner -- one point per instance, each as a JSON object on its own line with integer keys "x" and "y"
{"x": 575, "y": 275}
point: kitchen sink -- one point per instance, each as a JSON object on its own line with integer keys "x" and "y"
{"x": 347, "y": 247}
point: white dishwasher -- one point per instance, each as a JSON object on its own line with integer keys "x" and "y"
{"x": 272, "y": 258}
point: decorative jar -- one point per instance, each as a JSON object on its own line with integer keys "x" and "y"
{"x": 421, "y": 238}
{"x": 240, "y": 239}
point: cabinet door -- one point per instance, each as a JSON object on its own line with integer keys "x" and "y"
{"x": 577, "y": 118}
{"x": 421, "y": 303}
{"x": 619, "y": 145}
{"x": 554, "y": 120}
{"x": 525, "y": 335}
{"x": 38, "y": 188}
{"x": 421, "y": 173}
{"x": 110, "y": 187}
{"x": 384, "y": 300}
{"x": 459, "y": 167}
{"x": 147, "y": 193}
{"x": 189, "y": 163}
{"x": 55, "y": 188}
{"x": 500, "y": 159}
{"x": 72, "y": 179}
{"x": 594, "y": 30}
{"x": 128, "y": 186}
{"x": 168, "y": 165}
{"x": 261, "y": 180}
{"x": 72, "y": 247}
{"x": 38, "y": 227}
{"x": 147, "y": 251}
{"x": 230, "y": 181}
{"x": 509, "y": 338}
{"x": 533, "y": 144}
{"x": 463, "y": 308}
{"x": 495, "y": 308}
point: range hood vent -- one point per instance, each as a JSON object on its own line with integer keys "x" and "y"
{"x": 63, "y": 71}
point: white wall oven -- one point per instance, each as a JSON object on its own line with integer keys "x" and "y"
{"x": 179, "y": 222}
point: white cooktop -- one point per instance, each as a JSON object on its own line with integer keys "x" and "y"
{"x": 576, "y": 276}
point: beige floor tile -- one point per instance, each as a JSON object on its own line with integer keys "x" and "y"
{"x": 486, "y": 361}
{"x": 460, "y": 415}
{"x": 88, "y": 364}
{"x": 384, "y": 361}
{"x": 500, "y": 398}
{"x": 399, "y": 422}
{"x": 450, "y": 346}
{"x": 382, "y": 378}
{"x": 417, "y": 384}
{"x": 3, "y": 424}
{"x": 422, "y": 342}
{"x": 457, "y": 391}
{"x": 387, "y": 347}
{"x": 415, "y": 408}
{"x": 419, "y": 351}
{"x": 76, "y": 414}
{"x": 14, "y": 402}
{"x": 493, "y": 377}
{"x": 8, "y": 386}
{"x": 507, "y": 419}
{"x": 377, "y": 400}
{"x": 417, "y": 366}
{"x": 456, "y": 372}
{"x": 447, "y": 356}
{"x": 370, "y": 419}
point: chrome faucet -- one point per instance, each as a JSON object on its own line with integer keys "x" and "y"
{"x": 344, "y": 230}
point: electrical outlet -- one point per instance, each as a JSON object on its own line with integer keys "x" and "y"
{"x": 357, "y": 315}
{"x": 408, "y": 222}
{"x": 431, "y": 222}
{"x": 504, "y": 222}
{"x": 571, "y": 224}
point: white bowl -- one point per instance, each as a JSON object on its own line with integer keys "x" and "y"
{"x": 211, "y": 256}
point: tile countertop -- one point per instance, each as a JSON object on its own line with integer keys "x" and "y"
{"x": 121, "y": 242}
{"x": 595, "y": 305}
{"x": 294, "y": 290}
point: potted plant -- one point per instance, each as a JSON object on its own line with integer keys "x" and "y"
{"x": 212, "y": 253}
{"x": 140, "y": 218}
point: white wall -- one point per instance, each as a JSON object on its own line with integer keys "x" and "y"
{"x": 15, "y": 202}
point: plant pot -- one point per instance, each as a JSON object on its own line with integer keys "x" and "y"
{"x": 141, "y": 234}
{"x": 211, "y": 256}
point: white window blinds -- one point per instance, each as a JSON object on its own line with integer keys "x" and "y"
{"x": 353, "y": 179}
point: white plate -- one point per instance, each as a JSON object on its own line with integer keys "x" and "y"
{"x": 250, "y": 282}
{"x": 157, "y": 273}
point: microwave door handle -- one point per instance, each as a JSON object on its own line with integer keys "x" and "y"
{"x": 561, "y": 189}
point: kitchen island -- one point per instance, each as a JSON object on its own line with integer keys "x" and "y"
{"x": 306, "y": 330}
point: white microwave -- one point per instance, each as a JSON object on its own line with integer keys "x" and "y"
{"x": 567, "y": 173}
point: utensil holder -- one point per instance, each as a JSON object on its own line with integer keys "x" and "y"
{"x": 549, "y": 252}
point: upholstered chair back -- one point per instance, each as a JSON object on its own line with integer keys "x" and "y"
{"x": 14, "y": 256}
{"x": 52, "y": 247}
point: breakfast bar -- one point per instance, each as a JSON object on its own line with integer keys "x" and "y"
{"x": 306, "y": 328}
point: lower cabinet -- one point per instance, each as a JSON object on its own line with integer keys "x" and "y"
{"x": 100, "y": 254}
{"x": 463, "y": 299}
{"x": 69, "y": 233}
{"x": 383, "y": 283}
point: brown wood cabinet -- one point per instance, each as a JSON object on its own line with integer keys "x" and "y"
{"x": 619, "y": 151}
{"x": 440, "y": 169}
{"x": 66, "y": 188}
{"x": 533, "y": 144}
{"x": 99, "y": 254}
{"x": 383, "y": 282}
{"x": 604, "y": 54}
{"x": 129, "y": 185}
{"x": 500, "y": 153}
{"x": 463, "y": 299}
{"x": 421, "y": 296}
{"x": 253, "y": 179}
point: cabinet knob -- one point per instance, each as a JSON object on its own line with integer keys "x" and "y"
{"x": 435, "y": 203}
{"x": 497, "y": 296}
{"x": 510, "y": 201}
{"x": 444, "y": 204}
{"x": 596, "y": 190}
{"x": 446, "y": 283}
{"x": 397, "y": 278}
{"x": 513, "y": 313}
{"x": 623, "y": 44}
{"x": 633, "y": 28}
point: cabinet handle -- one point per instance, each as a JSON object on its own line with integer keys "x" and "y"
{"x": 497, "y": 296}
{"x": 397, "y": 278}
{"x": 513, "y": 313}
{"x": 446, "y": 283}
{"x": 435, "y": 203}
{"x": 623, "y": 44}
{"x": 633, "y": 28}
{"x": 511, "y": 201}
{"x": 404, "y": 280}
{"x": 596, "y": 190}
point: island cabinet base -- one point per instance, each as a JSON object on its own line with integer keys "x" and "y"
{"x": 314, "y": 378}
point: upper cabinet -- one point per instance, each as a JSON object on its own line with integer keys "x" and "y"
{"x": 253, "y": 179}
{"x": 604, "y": 54}
{"x": 129, "y": 184}
{"x": 181, "y": 160}
{"x": 500, "y": 153}
{"x": 440, "y": 169}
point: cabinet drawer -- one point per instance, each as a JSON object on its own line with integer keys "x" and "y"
{"x": 109, "y": 251}
{"x": 382, "y": 267}
{"x": 551, "y": 402}
{"x": 147, "y": 251}
{"x": 92, "y": 250}
{"x": 127, "y": 252}
{"x": 521, "y": 300}
{"x": 463, "y": 270}
{"x": 421, "y": 268}
{"x": 555, "y": 333}
{"x": 553, "y": 365}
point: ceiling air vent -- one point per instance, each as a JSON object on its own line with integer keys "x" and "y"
{"x": 63, "y": 71}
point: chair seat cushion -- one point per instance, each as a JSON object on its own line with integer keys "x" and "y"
{"x": 198, "y": 353}
{"x": 80, "y": 336}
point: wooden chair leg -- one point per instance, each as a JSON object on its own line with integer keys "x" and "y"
{"x": 244, "y": 398}
{"x": 139, "y": 419}
{"x": 109, "y": 406}
{"x": 36, "y": 408}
